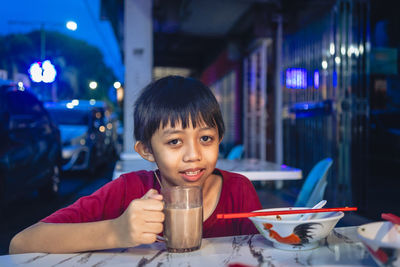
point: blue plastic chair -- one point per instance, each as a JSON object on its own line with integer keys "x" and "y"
{"x": 236, "y": 152}
{"x": 314, "y": 187}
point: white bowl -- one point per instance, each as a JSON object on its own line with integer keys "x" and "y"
{"x": 382, "y": 239}
{"x": 288, "y": 233}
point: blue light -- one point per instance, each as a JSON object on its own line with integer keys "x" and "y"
{"x": 42, "y": 72}
{"x": 316, "y": 79}
{"x": 296, "y": 78}
{"x": 334, "y": 79}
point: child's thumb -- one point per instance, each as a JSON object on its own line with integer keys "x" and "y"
{"x": 152, "y": 193}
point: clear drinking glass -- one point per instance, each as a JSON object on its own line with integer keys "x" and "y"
{"x": 183, "y": 224}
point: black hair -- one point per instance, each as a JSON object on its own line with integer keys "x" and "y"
{"x": 175, "y": 99}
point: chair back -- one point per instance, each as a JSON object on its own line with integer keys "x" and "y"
{"x": 315, "y": 184}
{"x": 236, "y": 152}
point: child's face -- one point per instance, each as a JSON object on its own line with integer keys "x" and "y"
{"x": 185, "y": 156}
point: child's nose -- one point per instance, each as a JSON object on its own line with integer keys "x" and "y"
{"x": 192, "y": 152}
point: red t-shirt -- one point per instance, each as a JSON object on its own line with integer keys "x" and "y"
{"x": 111, "y": 200}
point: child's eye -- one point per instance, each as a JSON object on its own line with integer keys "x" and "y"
{"x": 174, "y": 142}
{"x": 206, "y": 138}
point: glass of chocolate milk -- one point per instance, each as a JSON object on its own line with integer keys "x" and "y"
{"x": 183, "y": 224}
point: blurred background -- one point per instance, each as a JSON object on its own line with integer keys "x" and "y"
{"x": 297, "y": 82}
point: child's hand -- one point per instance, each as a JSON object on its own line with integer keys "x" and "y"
{"x": 141, "y": 221}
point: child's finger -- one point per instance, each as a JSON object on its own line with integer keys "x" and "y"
{"x": 153, "y": 216}
{"x": 156, "y": 196}
{"x": 150, "y": 193}
{"x": 152, "y": 204}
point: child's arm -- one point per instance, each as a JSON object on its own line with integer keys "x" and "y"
{"x": 139, "y": 224}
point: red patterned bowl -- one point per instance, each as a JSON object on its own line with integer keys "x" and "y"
{"x": 289, "y": 233}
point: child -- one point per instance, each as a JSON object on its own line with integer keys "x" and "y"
{"x": 178, "y": 125}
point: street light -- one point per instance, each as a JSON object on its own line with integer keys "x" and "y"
{"x": 93, "y": 85}
{"x": 71, "y": 25}
{"x": 117, "y": 85}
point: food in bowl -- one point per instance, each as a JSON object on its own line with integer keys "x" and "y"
{"x": 287, "y": 232}
{"x": 382, "y": 239}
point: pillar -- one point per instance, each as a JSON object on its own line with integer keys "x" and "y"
{"x": 138, "y": 58}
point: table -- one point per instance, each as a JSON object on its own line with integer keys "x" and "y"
{"x": 254, "y": 169}
{"x": 340, "y": 248}
{"x": 260, "y": 170}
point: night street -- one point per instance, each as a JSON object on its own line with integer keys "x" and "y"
{"x": 30, "y": 209}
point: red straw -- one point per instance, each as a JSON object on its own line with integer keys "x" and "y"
{"x": 280, "y": 212}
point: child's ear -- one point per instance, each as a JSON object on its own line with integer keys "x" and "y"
{"x": 144, "y": 151}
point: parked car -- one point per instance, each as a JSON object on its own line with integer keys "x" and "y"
{"x": 87, "y": 134}
{"x": 30, "y": 148}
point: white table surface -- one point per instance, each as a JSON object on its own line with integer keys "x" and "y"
{"x": 254, "y": 169}
{"x": 260, "y": 170}
{"x": 340, "y": 248}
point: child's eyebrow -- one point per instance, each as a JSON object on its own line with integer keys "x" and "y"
{"x": 171, "y": 131}
{"x": 207, "y": 128}
{"x": 176, "y": 131}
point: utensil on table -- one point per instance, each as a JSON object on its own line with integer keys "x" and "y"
{"x": 391, "y": 218}
{"x": 280, "y": 212}
{"x": 309, "y": 216}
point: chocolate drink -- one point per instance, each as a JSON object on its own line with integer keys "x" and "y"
{"x": 183, "y": 229}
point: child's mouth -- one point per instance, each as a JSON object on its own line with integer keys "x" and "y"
{"x": 192, "y": 174}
